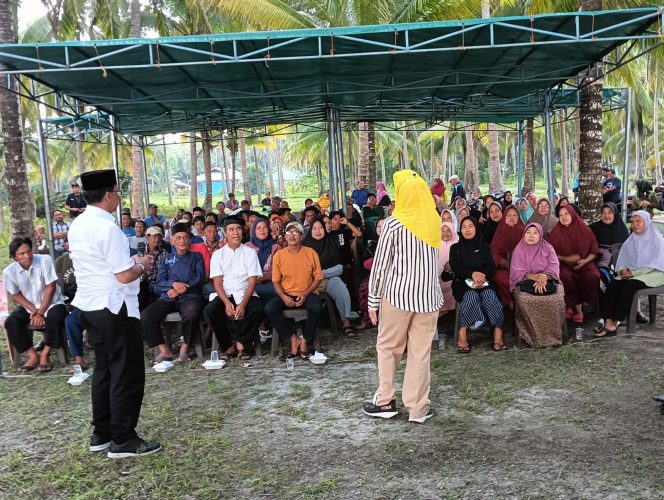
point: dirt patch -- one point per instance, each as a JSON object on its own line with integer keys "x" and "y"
{"x": 573, "y": 422}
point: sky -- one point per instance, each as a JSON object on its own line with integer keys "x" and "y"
{"x": 28, "y": 12}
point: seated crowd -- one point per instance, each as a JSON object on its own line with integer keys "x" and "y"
{"x": 236, "y": 270}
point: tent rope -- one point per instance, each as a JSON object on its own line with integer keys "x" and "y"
{"x": 101, "y": 65}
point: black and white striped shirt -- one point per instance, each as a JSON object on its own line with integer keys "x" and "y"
{"x": 404, "y": 271}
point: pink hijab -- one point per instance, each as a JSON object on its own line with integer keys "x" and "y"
{"x": 539, "y": 258}
{"x": 381, "y": 191}
{"x": 444, "y": 255}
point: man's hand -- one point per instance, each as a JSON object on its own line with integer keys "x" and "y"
{"x": 626, "y": 274}
{"x": 145, "y": 261}
{"x": 289, "y": 302}
{"x": 478, "y": 278}
{"x": 180, "y": 287}
{"x": 300, "y": 299}
{"x": 373, "y": 316}
{"x": 239, "y": 311}
{"x": 37, "y": 319}
{"x": 230, "y": 309}
{"x": 171, "y": 294}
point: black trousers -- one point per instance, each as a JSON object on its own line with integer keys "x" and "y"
{"x": 18, "y": 321}
{"x": 275, "y": 307}
{"x": 155, "y": 313}
{"x": 118, "y": 380}
{"x": 215, "y": 315}
{"x": 618, "y": 297}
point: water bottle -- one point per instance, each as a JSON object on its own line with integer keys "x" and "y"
{"x": 579, "y": 333}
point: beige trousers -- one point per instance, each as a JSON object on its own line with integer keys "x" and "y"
{"x": 398, "y": 329}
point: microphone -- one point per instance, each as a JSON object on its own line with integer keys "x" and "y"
{"x": 140, "y": 248}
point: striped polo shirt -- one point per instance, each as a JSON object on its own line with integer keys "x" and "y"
{"x": 404, "y": 271}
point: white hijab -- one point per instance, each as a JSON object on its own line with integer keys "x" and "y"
{"x": 455, "y": 222}
{"x": 645, "y": 250}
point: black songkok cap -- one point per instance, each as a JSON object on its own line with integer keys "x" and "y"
{"x": 180, "y": 227}
{"x": 234, "y": 219}
{"x": 98, "y": 179}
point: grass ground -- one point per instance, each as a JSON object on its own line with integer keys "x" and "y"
{"x": 572, "y": 422}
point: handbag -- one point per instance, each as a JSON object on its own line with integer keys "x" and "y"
{"x": 528, "y": 286}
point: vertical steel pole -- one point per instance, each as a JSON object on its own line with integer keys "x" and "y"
{"x": 628, "y": 133}
{"x": 44, "y": 176}
{"x": 340, "y": 161}
{"x": 549, "y": 147}
{"x": 114, "y": 158}
{"x": 145, "y": 175}
{"x": 519, "y": 182}
{"x": 331, "y": 158}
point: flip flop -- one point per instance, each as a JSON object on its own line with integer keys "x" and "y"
{"x": 463, "y": 350}
{"x": 27, "y": 368}
{"x": 161, "y": 358}
{"x": 349, "y": 331}
{"x": 243, "y": 355}
{"x": 499, "y": 347}
{"x": 605, "y": 332}
{"x": 43, "y": 368}
{"x": 182, "y": 358}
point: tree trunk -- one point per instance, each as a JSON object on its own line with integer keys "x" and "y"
{"x": 268, "y": 166}
{"x": 637, "y": 148}
{"x": 563, "y": 160}
{"x": 227, "y": 179}
{"x": 382, "y": 167}
{"x": 2, "y": 214}
{"x": 404, "y": 149}
{"x": 590, "y": 154}
{"x": 319, "y": 178}
{"x": 418, "y": 152}
{"x": 193, "y": 171}
{"x": 659, "y": 174}
{"x": 233, "y": 166}
{"x": 371, "y": 169}
{"x": 495, "y": 177}
{"x": 168, "y": 177}
{"x": 21, "y": 210}
{"x": 243, "y": 163}
{"x": 363, "y": 162}
{"x": 443, "y": 156}
{"x": 207, "y": 169}
{"x": 258, "y": 177}
{"x": 137, "y": 189}
{"x": 351, "y": 158}
{"x": 470, "y": 178}
{"x": 528, "y": 158}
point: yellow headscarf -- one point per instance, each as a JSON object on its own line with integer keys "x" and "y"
{"x": 415, "y": 208}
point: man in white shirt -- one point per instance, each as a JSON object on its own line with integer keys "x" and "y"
{"x": 139, "y": 227}
{"x": 107, "y": 295}
{"x": 234, "y": 269}
{"x": 31, "y": 281}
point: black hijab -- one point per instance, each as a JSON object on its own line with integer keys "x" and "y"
{"x": 327, "y": 249}
{"x": 473, "y": 252}
{"x": 489, "y": 227}
{"x": 610, "y": 234}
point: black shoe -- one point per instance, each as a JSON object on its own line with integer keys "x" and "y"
{"x": 423, "y": 419}
{"x": 99, "y": 443}
{"x": 384, "y": 411}
{"x": 133, "y": 448}
{"x": 659, "y": 399}
{"x": 642, "y": 319}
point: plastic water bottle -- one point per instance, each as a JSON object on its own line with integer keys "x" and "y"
{"x": 579, "y": 333}
{"x": 290, "y": 363}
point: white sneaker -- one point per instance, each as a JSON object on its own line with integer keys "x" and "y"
{"x": 423, "y": 419}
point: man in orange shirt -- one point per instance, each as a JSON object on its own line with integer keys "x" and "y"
{"x": 296, "y": 274}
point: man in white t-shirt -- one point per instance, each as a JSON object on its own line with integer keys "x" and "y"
{"x": 107, "y": 281}
{"x": 234, "y": 269}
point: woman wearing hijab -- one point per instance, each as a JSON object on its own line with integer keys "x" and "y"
{"x": 506, "y": 200}
{"x": 448, "y": 237}
{"x": 462, "y": 213}
{"x": 382, "y": 198}
{"x": 532, "y": 199}
{"x": 539, "y": 317}
{"x": 577, "y": 250}
{"x": 508, "y": 234}
{"x": 438, "y": 188}
{"x": 329, "y": 254}
{"x": 404, "y": 285}
{"x": 448, "y": 215}
{"x": 640, "y": 265}
{"x": 543, "y": 217}
{"x": 609, "y": 230}
{"x": 525, "y": 210}
{"x": 473, "y": 268}
{"x": 487, "y": 200}
{"x": 494, "y": 215}
{"x": 564, "y": 201}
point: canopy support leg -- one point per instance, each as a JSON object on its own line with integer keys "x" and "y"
{"x": 628, "y": 133}
{"x": 44, "y": 176}
{"x": 340, "y": 161}
{"x": 114, "y": 158}
{"x": 549, "y": 162}
{"x": 145, "y": 175}
{"x": 519, "y": 181}
{"x": 331, "y": 157}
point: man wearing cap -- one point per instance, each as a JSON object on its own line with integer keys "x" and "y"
{"x": 154, "y": 217}
{"x": 180, "y": 279}
{"x": 296, "y": 274}
{"x": 457, "y": 188}
{"x": 404, "y": 287}
{"x": 75, "y": 202}
{"x": 234, "y": 269}
{"x": 107, "y": 282}
{"x": 156, "y": 248}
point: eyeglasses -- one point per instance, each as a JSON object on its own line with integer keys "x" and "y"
{"x": 292, "y": 233}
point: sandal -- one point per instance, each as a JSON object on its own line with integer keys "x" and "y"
{"x": 265, "y": 334}
{"x": 304, "y": 355}
{"x": 349, "y": 331}
{"x": 43, "y": 368}
{"x": 243, "y": 355}
{"x": 605, "y": 332}
{"x": 224, "y": 357}
{"x": 27, "y": 368}
{"x": 577, "y": 318}
{"x": 182, "y": 358}
{"x": 499, "y": 347}
{"x": 463, "y": 350}
{"x": 161, "y": 358}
